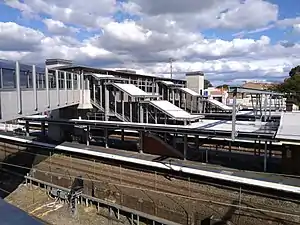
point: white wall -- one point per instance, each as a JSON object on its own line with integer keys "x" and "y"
{"x": 195, "y": 83}
{"x": 9, "y": 107}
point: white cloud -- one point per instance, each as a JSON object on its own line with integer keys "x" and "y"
{"x": 192, "y": 14}
{"x": 14, "y": 37}
{"x": 59, "y": 28}
{"x": 161, "y": 30}
{"x": 296, "y": 27}
{"x": 91, "y": 14}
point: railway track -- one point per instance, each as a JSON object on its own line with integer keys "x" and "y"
{"x": 214, "y": 183}
{"x": 160, "y": 184}
{"x": 170, "y": 176}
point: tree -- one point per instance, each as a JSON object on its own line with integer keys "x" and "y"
{"x": 291, "y": 86}
{"x": 295, "y": 71}
{"x": 224, "y": 86}
{"x": 207, "y": 84}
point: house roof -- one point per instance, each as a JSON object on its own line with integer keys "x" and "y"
{"x": 257, "y": 85}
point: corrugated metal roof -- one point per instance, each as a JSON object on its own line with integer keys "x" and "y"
{"x": 167, "y": 83}
{"x": 289, "y": 128}
{"x": 11, "y": 215}
{"x": 189, "y": 91}
{"x": 173, "y": 110}
{"x": 132, "y": 90}
{"x": 220, "y": 105}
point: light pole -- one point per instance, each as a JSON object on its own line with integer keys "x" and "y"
{"x": 171, "y": 60}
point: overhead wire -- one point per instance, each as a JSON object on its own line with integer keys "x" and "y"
{"x": 166, "y": 193}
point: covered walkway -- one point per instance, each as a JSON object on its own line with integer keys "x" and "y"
{"x": 27, "y": 90}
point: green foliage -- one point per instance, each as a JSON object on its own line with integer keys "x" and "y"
{"x": 291, "y": 86}
{"x": 224, "y": 86}
{"x": 295, "y": 71}
{"x": 207, "y": 84}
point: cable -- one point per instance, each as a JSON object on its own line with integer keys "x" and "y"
{"x": 166, "y": 193}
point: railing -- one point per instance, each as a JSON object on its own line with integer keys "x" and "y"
{"x": 30, "y": 77}
{"x": 26, "y": 90}
{"x": 111, "y": 111}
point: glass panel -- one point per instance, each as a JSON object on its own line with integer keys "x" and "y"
{"x": 23, "y": 79}
{"x": 41, "y": 80}
{"x": 68, "y": 80}
{"x": 8, "y": 78}
{"x": 29, "y": 79}
{"x": 52, "y": 80}
{"x": 61, "y": 80}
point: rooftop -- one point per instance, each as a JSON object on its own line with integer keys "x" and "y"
{"x": 112, "y": 72}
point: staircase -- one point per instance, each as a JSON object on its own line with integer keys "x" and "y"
{"x": 111, "y": 111}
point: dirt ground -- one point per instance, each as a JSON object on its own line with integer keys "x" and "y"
{"x": 37, "y": 203}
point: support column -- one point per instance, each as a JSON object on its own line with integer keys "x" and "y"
{"x": 94, "y": 91}
{"x": 146, "y": 85}
{"x": 155, "y": 115}
{"x": 265, "y": 156}
{"x": 123, "y": 106}
{"x": 168, "y": 94}
{"x": 197, "y": 142}
{"x": 270, "y": 105}
{"x": 66, "y": 87}
{"x": 27, "y": 128}
{"x": 200, "y": 105}
{"x": 173, "y": 96}
{"x": 141, "y": 133}
{"x": 88, "y": 135}
{"x": 180, "y": 100}
{"x": 265, "y": 107}
{"x": 141, "y": 109}
{"x": 100, "y": 94}
{"x": 192, "y": 104}
{"x": 57, "y": 87}
{"x": 18, "y": 87}
{"x": 106, "y": 103}
{"x": 72, "y": 87}
{"x": 82, "y": 86}
{"x": 233, "y": 117}
{"x": 174, "y": 140}
{"x": 34, "y": 87}
{"x": 130, "y": 109}
{"x": 47, "y": 87}
{"x": 147, "y": 113}
{"x": 115, "y": 95}
{"x": 122, "y": 135}
{"x": 184, "y": 102}
{"x": 105, "y": 137}
{"x": 185, "y": 147}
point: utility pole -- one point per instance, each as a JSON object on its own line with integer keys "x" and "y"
{"x": 171, "y": 60}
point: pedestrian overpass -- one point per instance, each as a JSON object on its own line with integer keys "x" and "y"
{"x": 27, "y": 90}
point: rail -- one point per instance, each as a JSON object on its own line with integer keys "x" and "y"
{"x": 108, "y": 204}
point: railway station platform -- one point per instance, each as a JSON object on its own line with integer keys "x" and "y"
{"x": 267, "y": 180}
{"x": 275, "y": 182}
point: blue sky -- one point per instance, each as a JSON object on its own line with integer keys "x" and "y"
{"x": 231, "y": 40}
